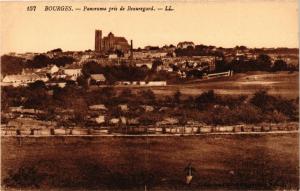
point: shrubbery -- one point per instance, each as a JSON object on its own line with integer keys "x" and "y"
{"x": 208, "y": 107}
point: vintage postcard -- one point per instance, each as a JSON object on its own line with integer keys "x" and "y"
{"x": 159, "y": 95}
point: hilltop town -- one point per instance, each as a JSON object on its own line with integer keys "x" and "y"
{"x": 116, "y": 88}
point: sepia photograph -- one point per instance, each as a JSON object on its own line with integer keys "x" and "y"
{"x": 158, "y": 95}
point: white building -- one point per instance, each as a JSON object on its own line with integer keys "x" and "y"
{"x": 53, "y": 69}
{"x": 73, "y": 73}
{"x": 156, "y": 83}
{"x": 23, "y": 79}
{"x": 98, "y": 77}
{"x": 112, "y": 56}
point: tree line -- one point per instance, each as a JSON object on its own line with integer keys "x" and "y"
{"x": 208, "y": 107}
{"x": 15, "y": 65}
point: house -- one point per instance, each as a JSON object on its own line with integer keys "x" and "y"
{"x": 164, "y": 68}
{"x": 123, "y": 83}
{"x": 53, "y": 69}
{"x": 133, "y": 121}
{"x": 168, "y": 121}
{"x": 185, "y": 44}
{"x": 114, "y": 121}
{"x": 24, "y": 79}
{"x": 60, "y": 84}
{"x": 124, "y": 107}
{"x": 112, "y": 56}
{"x": 146, "y": 55}
{"x": 73, "y": 73}
{"x": 97, "y": 107}
{"x": 97, "y": 78}
{"x": 24, "y": 110}
{"x": 58, "y": 75}
{"x": 100, "y": 119}
{"x": 123, "y": 120}
{"x": 148, "y": 108}
{"x": 157, "y": 83}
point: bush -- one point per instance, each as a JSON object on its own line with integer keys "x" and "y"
{"x": 271, "y": 104}
{"x": 147, "y": 96}
{"x": 247, "y": 113}
{"x": 231, "y": 101}
{"x": 264, "y": 101}
{"x": 275, "y": 117}
{"x": 11, "y": 65}
{"x": 287, "y": 107}
{"x": 206, "y": 98}
{"x": 222, "y": 116}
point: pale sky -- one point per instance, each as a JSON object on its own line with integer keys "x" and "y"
{"x": 224, "y": 23}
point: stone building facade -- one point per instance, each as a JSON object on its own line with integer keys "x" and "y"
{"x": 110, "y": 43}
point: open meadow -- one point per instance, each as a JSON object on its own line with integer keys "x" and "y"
{"x": 261, "y": 161}
{"x": 284, "y": 84}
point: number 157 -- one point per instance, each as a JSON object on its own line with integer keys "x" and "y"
{"x": 31, "y": 8}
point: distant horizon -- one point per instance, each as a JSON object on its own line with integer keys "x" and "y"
{"x": 160, "y": 46}
{"x": 224, "y": 23}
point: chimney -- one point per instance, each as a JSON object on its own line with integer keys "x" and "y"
{"x": 98, "y": 40}
{"x": 131, "y": 50}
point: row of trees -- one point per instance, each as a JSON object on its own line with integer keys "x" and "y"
{"x": 201, "y": 49}
{"x": 198, "y": 50}
{"x": 15, "y": 65}
{"x": 116, "y": 72}
{"x": 208, "y": 107}
{"x": 41, "y": 61}
{"x": 262, "y": 63}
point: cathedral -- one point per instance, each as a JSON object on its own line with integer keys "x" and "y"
{"x": 110, "y": 43}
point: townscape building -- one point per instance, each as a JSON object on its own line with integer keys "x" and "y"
{"x": 110, "y": 42}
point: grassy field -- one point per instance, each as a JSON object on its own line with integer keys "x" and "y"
{"x": 280, "y": 83}
{"x": 268, "y": 161}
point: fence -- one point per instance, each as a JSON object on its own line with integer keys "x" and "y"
{"x": 215, "y": 75}
{"x": 167, "y": 129}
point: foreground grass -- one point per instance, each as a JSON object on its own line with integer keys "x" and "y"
{"x": 221, "y": 161}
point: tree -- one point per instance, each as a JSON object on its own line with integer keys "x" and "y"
{"x": 221, "y": 65}
{"x": 57, "y": 50}
{"x": 264, "y": 62}
{"x": 82, "y": 81}
{"x": 92, "y": 67}
{"x": 80, "y": 109}
{"x": 37, "y": 85}
{"x": 182, "y": 120}
{"x": 194, "y": 73}
{"x": 12, "y": 65}
{"x": 206, "y": 98}
{"x": 150, "y": 118}
{"x": 39, "y": 61}
{"x": 109, "y": 97}
{"x": 126, "y": 95}
{"x": 156, "y": 63}
{"x": 5, "y": 100}
{"x": 288, "y": 107}
{"x": 280, "y": 65}
{"x": 147, "y": 96}
{"x": 262, "y": 100}
{"x": 119, "y": 53}
{"x": 63, "y": 60}
{"x": 37, "y": 96}
{"x": 49, "y": 114}
{"x": 177, "y": 96}
{"x": 115, "y": 111}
